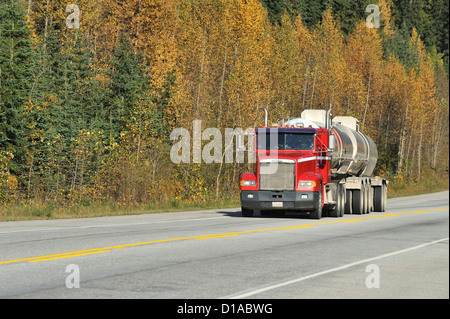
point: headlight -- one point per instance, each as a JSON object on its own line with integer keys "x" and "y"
{"x": 248, "y": 183}
{"x": 306, "y": 184}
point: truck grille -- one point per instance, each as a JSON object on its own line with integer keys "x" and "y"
{"x": 280, "y": 178}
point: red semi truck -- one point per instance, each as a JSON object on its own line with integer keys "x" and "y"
{"x": 315, "y": 164}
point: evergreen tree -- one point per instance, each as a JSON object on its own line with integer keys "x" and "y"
{"x": 164, "y": 118}
{"x": 73, "y": 72}
{"x": 65, "y": 101}
{"x": 408, "y": 13}
{"x": 399, "y": 46}
{"x": 276, "y": 8}
{"x": 15, "y": 76}
{"x": 348, "y": 12}
{"x": 440, "y": 27}
{"x": 311, "y": 11}
{"x": 126, "y": 85}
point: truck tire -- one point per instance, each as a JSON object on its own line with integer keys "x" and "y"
{"x": 384, "y": 198}
{"x": 348, "y": 202}
{"x": 317, "y": 213}
{"x": 367, "y": 198}
{"x": 247, "y": 212}
{"x": 343, "y": 196}
{"x": 338, "y": 209}
{"x": 379, "y": 198}
{"x": 358, "y": 202}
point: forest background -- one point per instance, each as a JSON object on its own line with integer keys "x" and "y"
{"x": 86, "y": 113}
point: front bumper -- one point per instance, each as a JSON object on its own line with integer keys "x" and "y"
{"x": 285, "y": 200}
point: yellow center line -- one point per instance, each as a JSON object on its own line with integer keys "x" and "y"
{"x": 55, "y": 256}
{"x": 67, "y": 256}
{"x": 222, "y": 235}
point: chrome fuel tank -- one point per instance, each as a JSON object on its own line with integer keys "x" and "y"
{"x": 354, "y": 153}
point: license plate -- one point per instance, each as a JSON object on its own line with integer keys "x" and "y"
{"x": 277, "y": 204}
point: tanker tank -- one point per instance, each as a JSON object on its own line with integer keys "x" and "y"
{"x": 354, "y": 154}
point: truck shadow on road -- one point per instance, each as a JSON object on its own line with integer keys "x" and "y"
{"x": 277, "y": 214}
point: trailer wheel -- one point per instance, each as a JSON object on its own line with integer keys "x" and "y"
{"x": 379, "y": 198}
{"x": 358, "y": 201}
{"x": 367, "y": 199}
{"x": 371, "y": 192}
{"x": 317, "y": 213}
{"x": 348, "y": 202}
{"x": 343, "y": 196}
{"x": 247, "y": 212}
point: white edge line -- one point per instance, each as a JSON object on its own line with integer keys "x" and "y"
{"x": 106, "y": 225}
{"x": 249, "y": 293}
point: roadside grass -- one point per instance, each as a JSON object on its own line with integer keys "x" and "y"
{"x": 428, "y": 185}
{"x": 46, "y": 211}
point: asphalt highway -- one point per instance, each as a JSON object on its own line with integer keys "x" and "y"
{"x": 402, "y": 254}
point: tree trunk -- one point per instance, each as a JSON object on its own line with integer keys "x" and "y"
{"x": 314, "y": 87}
{"x": 419, "y": 153}
{"x": 401, "y": 152}
{"x": 46, "y": 22}
{"x": 305, "y": 87}
{"x": 367, "y": 102}
{"x": 222, "y": 84}
{"x": 30, "y": 3}
{"x": 202, "y": 68}
{"x": 436, "y": 139}
{"x": 408, "y": 151}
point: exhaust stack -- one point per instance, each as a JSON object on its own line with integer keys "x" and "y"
{"x": 266, "y": 117}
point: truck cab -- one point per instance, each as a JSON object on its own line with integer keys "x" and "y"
{"x": 292, "y": 168}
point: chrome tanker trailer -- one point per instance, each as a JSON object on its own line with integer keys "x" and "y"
{"x": 316, "y": 164}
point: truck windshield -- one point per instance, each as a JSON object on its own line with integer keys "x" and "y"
{"x": 286, "y": 141}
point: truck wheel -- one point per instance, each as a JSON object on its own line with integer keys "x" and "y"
{"x": 367, "y": 199}
{"x": 348, "y": 202}
{"x": 338, "y": 209}
{"x": 371, "y": 192}
{"x": 378, "y": 198}
{"x": 317, "y": 213}
{"x": 358, "y": 202}
{"x": 383, "y": 197}
{"x": 343, "y": 196}
{"x": 247, "y": 212}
